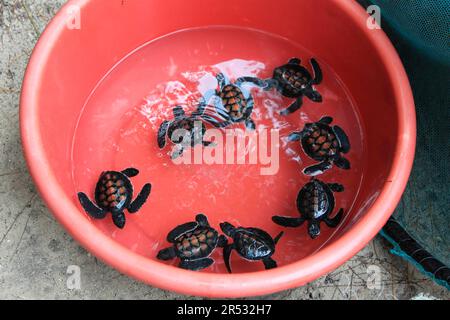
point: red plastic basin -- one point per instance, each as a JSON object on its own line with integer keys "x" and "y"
{"x": 82, "y": 106}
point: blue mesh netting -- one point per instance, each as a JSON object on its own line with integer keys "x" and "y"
{"x": 420, "y": 31}
{"x": 423, "y": 23}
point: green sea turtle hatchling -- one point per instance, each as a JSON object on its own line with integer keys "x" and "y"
{"x": 292, "y": 80}
{"x": 193, "y": 126}
{"x": 323, "y": 143}
{"x": 114, "y": 193}
{"x": 252, "y": 244}
{"x": 235, "y": 105}
{"x": 315, "y": 203}
{"x": 193, "y": 243}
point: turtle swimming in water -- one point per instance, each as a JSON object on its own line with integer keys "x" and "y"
{"x": 323, "y": 143}
{"x": 315, "y": 203}
{"x": 235, "y": 105}
{"x": 114, "y": 193}
{"x": 193, "y": 126}
{"x": 193, "y": 243}
{"x": 252, "y": 244}
{"x": 292, "y": 80}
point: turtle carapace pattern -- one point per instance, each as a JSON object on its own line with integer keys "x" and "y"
{"x": 252, "y": 244}
{"x": 235, "y": 105}
{"x": 193, "y": 125}
{"x": 292, "y": 80}
{"x": 114, "y": 193}
{"x": 323, "y": 143}
{"x": 315, "y": 203}
{"x": 193, "y": 243}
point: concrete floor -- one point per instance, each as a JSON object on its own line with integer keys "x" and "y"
{"x": 35, "y": 251}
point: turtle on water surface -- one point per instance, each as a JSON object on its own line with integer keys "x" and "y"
{"x": 114, "y": 193}
{"x": 193, "y": 126}
{"x": 193, "y": 243}
{"x": 323, "y": 143}
{"x": 315, "y": 203}
{"x": 235, "y": 105}
{"x": 252, "y": 244}
{"x": 292, "y": 80}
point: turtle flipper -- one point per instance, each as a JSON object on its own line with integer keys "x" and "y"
{"x": 228, "y": 229}
{"x": 271, "y": 83}
{"x": 222, "y": 242}
{"x": 94, "y": 211}
{"x": 278, "y": 237}
{"x": 296, "y": 136}
{"x": 162, "y": 134}
{"x": 178, "y": 112}
{"x": 211, "y": 120}
{"x": 226, "y": 256}
{"x": 288, "y": 221}
{"x": 177, "y": 153}
{"x": 225, "y": 124}
{"x": 253, "y": 80}
{"x": 269, "y": 263}
{"x": 342, "y": 138}
{"x": 336, "y": 187}
{"x": 200, "y": 108}
{"x": 166, "y": 254}
{"x": 202, "y": 220}
{"x": 181, "y": 229}
{"x": 250, "y": 105}
{"x": 295, "y": 61}
{"x": 317, "y": 168}
{"x": 222, "y": 112}
{"x": 119, "y": 219}
{"x": 130, "y": 172}
{"x": 342, "y": 163}
{"x": 250, "y": 124}
{"x": 318, "y": 76}
{"x": 140, "y": 199}
{"x": 312, "y": 94}
{"x": 334, "y": 222}
{"x": 326, "y": 120}
{"x": 293, "y": 107}
{"x": 216, "y": 123}
{"x": 196, "y": 265}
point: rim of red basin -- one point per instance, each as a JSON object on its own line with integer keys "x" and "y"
{"x": 207, "y": 284}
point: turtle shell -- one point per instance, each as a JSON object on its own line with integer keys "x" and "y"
{"x": 292, "y": 79}
{"x": 187, "y": 124}
{"x": 197, "y": 244}
{"x": 113, "y": 191}
{"x": 315, "y": 200}
{"x": 253, "y": 244}
{"x": 233, "y": 101}
{"x": 321, "y": 142}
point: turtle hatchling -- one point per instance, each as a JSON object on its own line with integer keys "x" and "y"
{"x": 193, "y": 243}
{"x": 235, "y": 105}
{"x": 114, "y": 193}
{"x": 292, "y": 80}
{"x": 323, "y": 143}
{"x": 315, "y": 203}
{"x": 192, "y": 125}
{"x": 252, "y": 244}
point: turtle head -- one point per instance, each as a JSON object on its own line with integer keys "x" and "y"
{"x": 313, "y": 229}
{"x": 228, "y": 229}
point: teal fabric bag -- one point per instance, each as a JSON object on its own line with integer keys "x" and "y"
{"x": 420, "y": 228}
